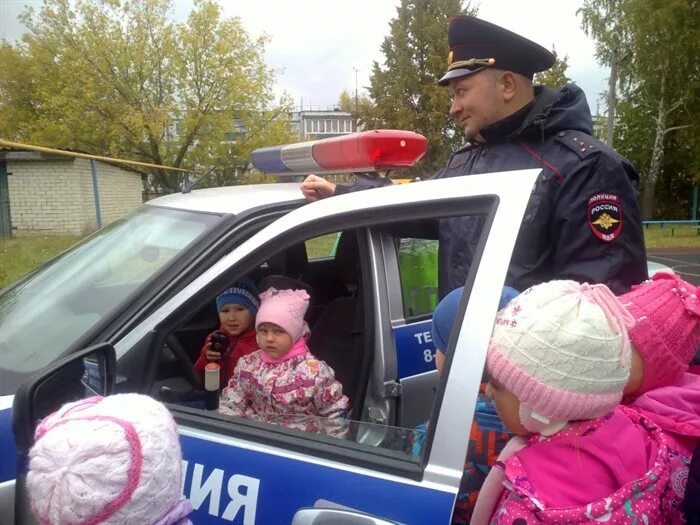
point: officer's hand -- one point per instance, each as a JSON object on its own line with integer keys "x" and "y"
{"x": 315, "y": 188}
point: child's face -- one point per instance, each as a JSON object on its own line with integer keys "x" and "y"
{"x": 235, "y": 319}
{"x": 439, "y": 360}
{"x": 273, "y": 340}
{"x": 507, "y": 406}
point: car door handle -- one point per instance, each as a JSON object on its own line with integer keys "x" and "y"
{"x": 336, "y": 517}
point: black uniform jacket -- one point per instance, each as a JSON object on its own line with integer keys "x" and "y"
{"x": 583, "y": 220}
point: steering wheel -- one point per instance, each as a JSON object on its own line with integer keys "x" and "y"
{"x": 184, "y": 361}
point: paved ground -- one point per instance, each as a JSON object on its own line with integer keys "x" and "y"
{"x": 683, "y": 262}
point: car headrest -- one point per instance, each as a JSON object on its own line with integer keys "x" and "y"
{"x": 282, "y": 282}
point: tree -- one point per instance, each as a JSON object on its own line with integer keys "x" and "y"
{"x": 669, "y": 86}
{"x": 404, "y": 89}
{"x": 124, "y": 79}
{"x": 603, "y": 20}
{"x": 555, "y": 76}
{"x": 347, "y": 103}
{"x": 658, "y": 60}
{"x": 233, "y": 157}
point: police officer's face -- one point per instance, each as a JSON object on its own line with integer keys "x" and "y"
{"x": 477, "y": 102}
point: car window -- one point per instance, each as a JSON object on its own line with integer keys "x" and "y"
{"x": 339, "y": 292}
{"x": 401, "y": 442}
{"x": 418, "y": 271}
{"x": 74, "y": 292}
{"x": 322, "y": 247}
{"x": 340, "y": 335}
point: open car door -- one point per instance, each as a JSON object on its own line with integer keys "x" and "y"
{"x": 243, "y": 471}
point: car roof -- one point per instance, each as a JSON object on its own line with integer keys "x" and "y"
{"x": 231, "y": 199}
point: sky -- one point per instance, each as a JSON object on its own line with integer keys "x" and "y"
{"x": 318, "y": 48}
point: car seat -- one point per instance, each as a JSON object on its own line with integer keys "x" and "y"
{"x": 338, "y": 336}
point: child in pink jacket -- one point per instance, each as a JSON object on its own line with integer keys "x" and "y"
{"x": 282, "y": 382}
{"x": 559, "y": 359}
{"x": 664, "y": 340}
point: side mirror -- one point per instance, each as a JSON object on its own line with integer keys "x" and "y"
{"x": 89, "y": 372}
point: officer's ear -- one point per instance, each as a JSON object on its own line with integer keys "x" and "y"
{"x": 508, "y": 85}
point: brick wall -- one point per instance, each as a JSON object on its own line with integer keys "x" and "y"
{"x": 120, "y": 190}
{"x": 56, "y": 196}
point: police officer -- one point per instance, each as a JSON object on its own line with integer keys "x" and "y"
{"x": 582, "y": 221}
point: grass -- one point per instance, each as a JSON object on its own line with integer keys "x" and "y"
{"x": 319, "y": 247}
{"x": 20, "y": 255}
{"x": 682, "y": 237}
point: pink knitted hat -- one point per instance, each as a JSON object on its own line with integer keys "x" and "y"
{"x": 111, "y": 460}
{"x": 562, "y": 349}
{"x": 286, "y": 309}
{"x": 667, "y": 332}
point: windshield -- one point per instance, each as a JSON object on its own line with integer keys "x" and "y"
{"x": 52, "y": 308}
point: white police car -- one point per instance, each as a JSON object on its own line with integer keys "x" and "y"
{"x": 130, "y": 307}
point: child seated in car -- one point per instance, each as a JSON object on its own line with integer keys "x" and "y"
{"x": 282, "y": 382}
{"x": 237, "y": 307}
{"x": 559, "y": 360}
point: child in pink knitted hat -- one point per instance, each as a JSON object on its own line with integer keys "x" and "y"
{"x": 559, "y": 359}
{"x": 666, "y": 335}
{"x": 282, "y": 382}
{"x": 108, "y": 461}
{"x": 665, "y": 339}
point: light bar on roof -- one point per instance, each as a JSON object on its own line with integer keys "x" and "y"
{"x": 376, "y": 150}
{"x": 299, "y": 157}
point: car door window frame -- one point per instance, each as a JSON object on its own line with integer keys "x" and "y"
{"x": 307, "y": 227}
{"x": 446, "y": 445}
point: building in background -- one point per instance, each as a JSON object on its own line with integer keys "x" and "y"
{"x": 43, "y": 193}
{"x": 321, "y": 123}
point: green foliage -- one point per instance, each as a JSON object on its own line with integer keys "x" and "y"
{"x": 123, "y": 79}
{"x": 604, "y": 21}
{"x": 659, "y": 66}
{"x": 346, "y": 102}
{"x": 634, "y": 128}
{"x": 404, "y": 89}
{"x": 555, "y": 76}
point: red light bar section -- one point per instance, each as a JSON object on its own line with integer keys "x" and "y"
{"x": 383, "y": 149}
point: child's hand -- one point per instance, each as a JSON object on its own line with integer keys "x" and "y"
{"x": 212, "y": 355}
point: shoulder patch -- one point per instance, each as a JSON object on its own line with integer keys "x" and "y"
{"x": 604, "y": 214}
{"x": 580, "y": 143}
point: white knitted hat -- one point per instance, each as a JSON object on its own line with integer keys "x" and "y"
{"x": 113, "y": 460}
{"x": 562, "y": 348}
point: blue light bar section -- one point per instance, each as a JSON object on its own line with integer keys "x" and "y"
{"x": 269, "y": 160}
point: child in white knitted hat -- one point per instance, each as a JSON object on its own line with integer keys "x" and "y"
{"x": 112, "y": 461}
{"x": 559, "y": 359}
{"x": 282, "y": 382}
